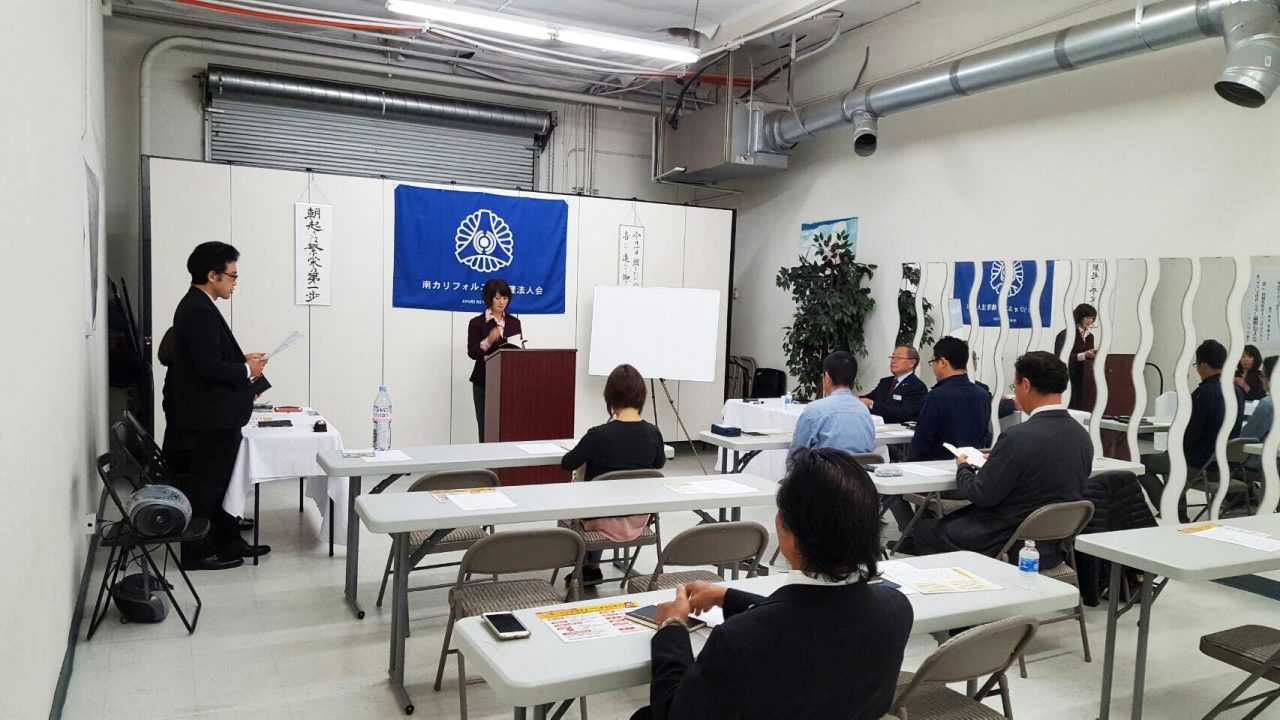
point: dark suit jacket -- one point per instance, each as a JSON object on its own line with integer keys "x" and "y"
{"x": 955, "y": 411}
{"x": 909, "y": 399}
{"x": 1041, "y": 461}
{"x": 477, "y": 330}
{"x": 1208, "y": 409}
{"x": 804, "y": 652}
{"x": 206, "y": 386}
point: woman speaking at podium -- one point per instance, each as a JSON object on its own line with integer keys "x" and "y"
{"x": 486, "y": 333}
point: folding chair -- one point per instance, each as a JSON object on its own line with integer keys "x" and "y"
{"x": 1254, "y": 649}
{"x": 1208, "y": 479}
{"x": 984, "y": 650}
{"x": 456, "y": 541}
{"x": 129, "y": 548}
{"x": 598, "y": 541}
{"x": 719, "y": 544}
{"x": 506, "y": 553}
{"x": 1061, "y": 522}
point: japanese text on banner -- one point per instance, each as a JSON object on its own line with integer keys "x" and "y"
{"x": 313, "y": 241}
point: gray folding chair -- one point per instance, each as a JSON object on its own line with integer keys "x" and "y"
{"x": 598, "y": 541}
{"x": 458, "y": 540}
{"x": 721, "y": 544}
{"x": 506, "y": 553}
{"x": 984, "y": 650}
{"x": 1254, "y": 649}
{"x": 1061, "y": 522}
{"x": 1207, "y": 479}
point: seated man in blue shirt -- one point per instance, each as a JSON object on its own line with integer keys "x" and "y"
{"x": 839, "y": 420}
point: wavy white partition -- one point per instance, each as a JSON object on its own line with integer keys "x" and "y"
{"x": 1002, "y": 338}
{"x": 1271, "y": 445}
{"x": 1072, "y": 290}
{"x": 1235, "y": 347}
{"x": 1106, "y": 319}
{"x": 1177, "y": 479}
{"x": 1035, "y": 336}
{"x": 1145, "y": 339}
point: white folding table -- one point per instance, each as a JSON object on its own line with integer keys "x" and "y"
{"x": 402, "y": 514}
{"x": 1174, "y": 555}
{"x": 541, "y": 670}
{"x": 745, "y": 447}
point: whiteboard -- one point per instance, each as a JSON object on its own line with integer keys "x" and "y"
{"x": 665, "y": 333}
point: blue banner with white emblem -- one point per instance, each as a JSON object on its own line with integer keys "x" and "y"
{"x": 448, "y": 243}
{"x": 1020, "y": 290}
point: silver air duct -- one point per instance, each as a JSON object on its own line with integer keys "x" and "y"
{"x": 1251, "y": 29}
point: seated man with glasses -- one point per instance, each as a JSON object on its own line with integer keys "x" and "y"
{"x": 956, "y": 411}
{"x": 899, "y": 397}
{"x": 838, "y": 420}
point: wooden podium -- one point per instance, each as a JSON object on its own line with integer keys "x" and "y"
{"x": 528, "y": 396}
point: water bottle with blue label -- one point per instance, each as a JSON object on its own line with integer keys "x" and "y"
{"x": 382, "y": 420}
{"x": 786, "y": 399}
{"x": 1028, "y": 563}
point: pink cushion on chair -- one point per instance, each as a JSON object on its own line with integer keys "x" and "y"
{"x": 618, "y": 529}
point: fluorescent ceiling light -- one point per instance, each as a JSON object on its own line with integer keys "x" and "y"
{"x": 508, "y": 25}
{"x": 479, "y": 19}
{"x": 631, "y": 46}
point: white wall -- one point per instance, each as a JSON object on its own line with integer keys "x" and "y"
{"x": 361, "y": 340}
{"x": 53, "y": 423}
{"x": 617, "y": 166}
{"x": 1130, "y": 159}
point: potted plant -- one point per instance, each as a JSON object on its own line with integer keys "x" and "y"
{"x": 832, "y": 304}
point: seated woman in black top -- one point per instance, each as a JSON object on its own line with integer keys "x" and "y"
{"x": 837, "y": 640}
{"x": 1249, "y": 374}
{"x": 627, "y": 442}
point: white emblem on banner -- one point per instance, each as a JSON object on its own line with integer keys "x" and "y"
{"x": 996, "y": 277}
{"x": 484, "y": 242}
{"x": 630, "y": 255}
{"x": 313, "y": 240}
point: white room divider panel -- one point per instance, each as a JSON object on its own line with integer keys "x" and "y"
{"x": 360, "y": 340}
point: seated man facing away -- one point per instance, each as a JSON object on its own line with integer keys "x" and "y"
{"x": 956, "y": 411}
{"x": 1199, "y": 441}
{"x": 825, "y": 645}
{"x": 899, "y": 397}
{"x": 838, "y": 420}
{"x": 1041, "y": 461}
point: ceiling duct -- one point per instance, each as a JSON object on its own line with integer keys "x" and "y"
{"x": 756, "y": 138}
{"x": 1251, "y": 29}
{"x": 235, "y": 83}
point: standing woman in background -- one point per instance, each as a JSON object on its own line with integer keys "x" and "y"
{"x": 1249, "y": 374}
{"x": 1082, "y": 352}
{"x": 486, "y": 333}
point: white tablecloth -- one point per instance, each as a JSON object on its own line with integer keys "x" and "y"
{"x": 773, "y": 414}
{"x": 284, "y": 453}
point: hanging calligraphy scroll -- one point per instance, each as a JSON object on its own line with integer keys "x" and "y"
{"x": 313, "y": 239}
{"x": 630, "y": 255}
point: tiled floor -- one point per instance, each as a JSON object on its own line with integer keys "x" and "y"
{"x": 277, "y": 641}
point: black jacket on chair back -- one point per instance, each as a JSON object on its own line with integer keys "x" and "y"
{"x": 207, "y": 384}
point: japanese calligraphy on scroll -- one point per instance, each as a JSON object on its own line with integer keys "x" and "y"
{"x": 1262, "y": 310}
{"x": 1095, "y": 276}
{"x": 630, "y": 255}
{"x": 313, "y": 240}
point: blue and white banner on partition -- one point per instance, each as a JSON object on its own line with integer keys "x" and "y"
{"x": 1021, "y": 286}
{"x": 448, "y": 243}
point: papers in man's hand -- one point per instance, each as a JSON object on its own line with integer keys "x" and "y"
{"x": 710, "y": 487}
{"x": 388, "y": 456}
{"x": 476, "y": 498}
{"x": 1235, "y": 536}
{"x": 973, "y": 455}
{"x": 290, "y": 339}
{"x": 540, "y": 448}
{"x": 932, "y": 581}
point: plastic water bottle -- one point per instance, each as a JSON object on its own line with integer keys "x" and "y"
{"x": 382, "y": 420}
{"x": 786, "y": 399}
{"x": 1028, "y": 563}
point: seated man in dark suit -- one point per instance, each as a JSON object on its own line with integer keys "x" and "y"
{"x": 956, "y": 411}
{"x": 1208, "y": 411}
{"x": 834, "y": 643}
{"x": 899, "y": 397}
{"x": 1038, "y": 462}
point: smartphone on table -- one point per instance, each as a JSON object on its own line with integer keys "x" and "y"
{"x": 505, "y": 626}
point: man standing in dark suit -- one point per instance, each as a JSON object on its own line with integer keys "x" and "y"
{"x": 209, "y": 389}
{"x": 899, "y": 397}
{"x": 1041, "y": 461}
